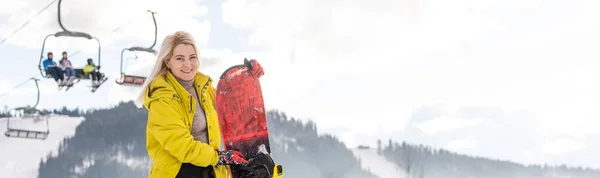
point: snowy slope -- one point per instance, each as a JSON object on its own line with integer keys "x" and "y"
{"x": 20, "y": 157}
{"x": 377, "y": 164}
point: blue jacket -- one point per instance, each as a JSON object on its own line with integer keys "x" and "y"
{"x": 48, "y": 62}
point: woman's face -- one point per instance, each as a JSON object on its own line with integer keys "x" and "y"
{"x": 184, "y": 62}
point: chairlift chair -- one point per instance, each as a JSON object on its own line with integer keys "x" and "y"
{"x": 79, "y": 74}
{"x": 28, "y": 113}
{"x": 135, "y": 80}
{"x": 127, "y": 79}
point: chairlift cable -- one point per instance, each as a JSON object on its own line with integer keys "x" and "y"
{"x": 27, "y": 22}
{"x": 31, "y": 78}
{"x": 108, "y": 34}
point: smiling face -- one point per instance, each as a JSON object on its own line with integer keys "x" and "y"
{"x": 184, "y": 62}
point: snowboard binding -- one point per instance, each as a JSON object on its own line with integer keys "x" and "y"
{"x": 255, "y": 68}
{"x": 261, "y": 166}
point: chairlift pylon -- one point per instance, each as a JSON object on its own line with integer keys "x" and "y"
{"x": 135, "y": 80}
{"x": 79, "y": 74}
{"x": 29, "y": 113}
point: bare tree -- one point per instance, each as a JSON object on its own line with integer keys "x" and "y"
{"x": 379, "y": 149}
{"x": 412, "y": 161}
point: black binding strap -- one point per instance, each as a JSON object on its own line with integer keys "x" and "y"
{"x": 261, "y": 166}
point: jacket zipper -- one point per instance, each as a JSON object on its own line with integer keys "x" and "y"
{"x": 202, "y": 106}
{"x": 191, "y": 103}
{"x": 204, "y": 87}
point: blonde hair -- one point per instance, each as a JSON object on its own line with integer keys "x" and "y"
{"x": 164, "y": 55}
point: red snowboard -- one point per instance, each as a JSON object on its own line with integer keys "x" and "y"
{"x": 241, "y": 110}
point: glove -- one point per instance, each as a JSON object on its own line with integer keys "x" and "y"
{"x": 231, "y": 157}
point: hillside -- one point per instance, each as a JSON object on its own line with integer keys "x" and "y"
{"x": 421, "y": 161}
{"x": 111, "y": 143}
{"x": 372, "y": 161}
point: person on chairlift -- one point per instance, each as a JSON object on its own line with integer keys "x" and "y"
{"x": 66, "y": 66}
{"x": 90, "y": 69}
{"x": 51, "y": 68}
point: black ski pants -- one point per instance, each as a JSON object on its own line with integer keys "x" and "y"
{"x": 96, "y": 76}
{"x": 56, "y": 73}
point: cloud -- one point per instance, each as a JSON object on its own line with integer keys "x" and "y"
{"x": 318, "y": 31}
{"x": 562, "y": 145}
{"x": 446, "y": 124}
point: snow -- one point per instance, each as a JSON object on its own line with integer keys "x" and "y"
{"x": 286, "y": 142}
{"x": 20, "y": 157}
{"x": 377, "y": 164}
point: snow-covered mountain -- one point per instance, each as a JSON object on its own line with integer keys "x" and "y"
{"x": 377, "y": 164}
{"x": 110, "y": 143}
{"x": 20, "y": 157}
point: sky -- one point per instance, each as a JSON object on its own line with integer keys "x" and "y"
{"x": 513, "y": 79}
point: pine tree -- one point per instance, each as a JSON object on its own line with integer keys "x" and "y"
{"x": 379, "y": 146}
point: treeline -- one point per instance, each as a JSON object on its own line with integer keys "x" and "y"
{"x": 111, "y": 143}
{"x": 421, "y": 161}
{"x": 6, "y": 112}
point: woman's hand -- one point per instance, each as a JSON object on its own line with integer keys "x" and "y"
{"x": 231, "y": 157}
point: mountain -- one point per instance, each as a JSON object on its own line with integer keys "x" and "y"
{"x": 420, "y": 161}
{"x": 111, "y": 143}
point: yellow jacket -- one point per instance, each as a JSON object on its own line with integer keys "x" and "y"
{"x": 88, "y": 68}
{"x": 170, "y": 115}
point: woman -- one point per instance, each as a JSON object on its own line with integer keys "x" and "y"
{"x": 183, "y": 135}
{"x": 66, "y": 66}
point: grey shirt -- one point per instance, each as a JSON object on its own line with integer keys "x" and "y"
{"x": 199, "y": 124}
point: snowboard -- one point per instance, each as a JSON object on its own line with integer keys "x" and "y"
{"x": 243, "y": 121}
{"x": 241, "y": 109}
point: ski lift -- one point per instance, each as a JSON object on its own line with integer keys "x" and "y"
{"x": 28, "y": 113}
{"x": 79, "y": 74}
{"x": 135, "y": 80}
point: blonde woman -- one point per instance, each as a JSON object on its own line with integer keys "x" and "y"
{"x": 183, "y": 137}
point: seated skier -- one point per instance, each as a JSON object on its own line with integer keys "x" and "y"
{"x": 51, "y": 68}
{"x": 92, "y": 70}
{"x": 66, "y": 66}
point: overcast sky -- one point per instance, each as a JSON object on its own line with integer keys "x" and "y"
{"x": 511, "y": 79}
